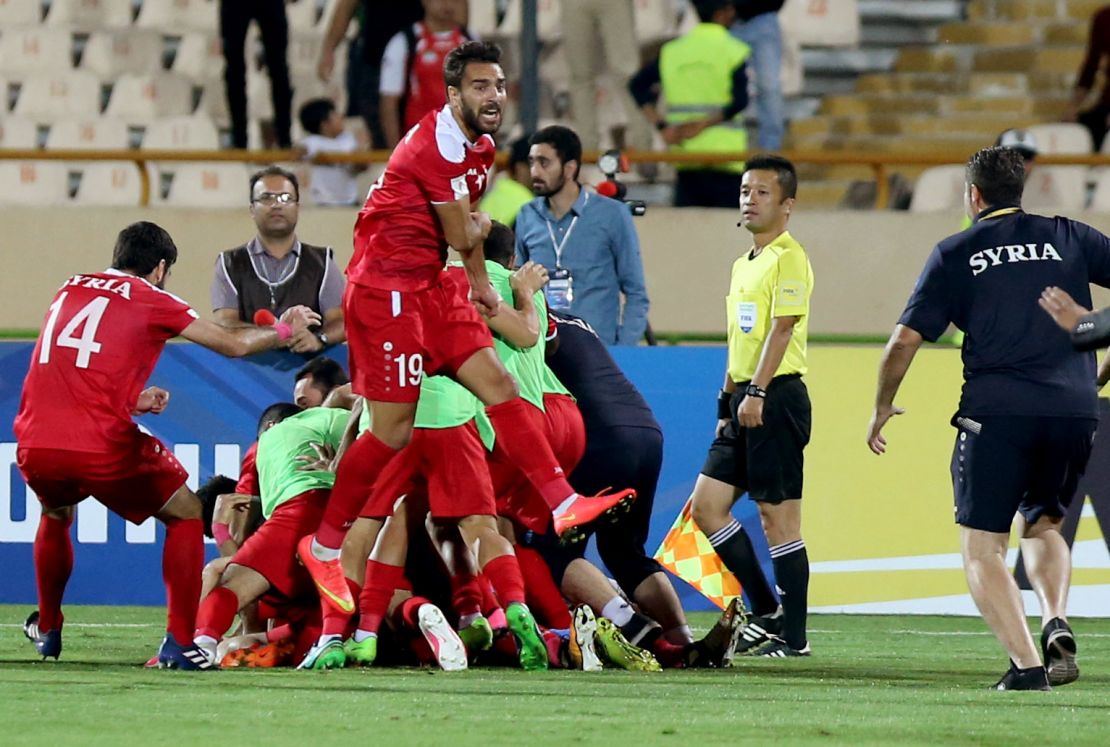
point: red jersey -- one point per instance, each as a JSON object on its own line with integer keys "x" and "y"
{"x": 425, "y": 88}
{"x": 248, "y": 473}
{"x": 399, "y": 242}
{"x": 102, "y": 336}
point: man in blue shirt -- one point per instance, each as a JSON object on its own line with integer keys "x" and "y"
{"x": 586, "y": 242}
{"x": 1028, "y": 409}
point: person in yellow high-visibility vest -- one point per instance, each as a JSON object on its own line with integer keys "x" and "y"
{"x": 703, "y": 79}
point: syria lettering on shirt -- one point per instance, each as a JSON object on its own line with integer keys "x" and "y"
{"x": 101, "y": 338}
{"x": 986, "y": 281}
{"x": 399, "y": 242}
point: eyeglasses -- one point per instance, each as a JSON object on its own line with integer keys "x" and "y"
{"x": 275, "y": 198}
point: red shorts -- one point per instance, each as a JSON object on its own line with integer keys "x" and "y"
{"x": 272, "y": 550}
{"x": 395, "y": 337}
{"x": 135, "y": 481}
{"x": 446, "y": 464}
{"x": 562, "y": 424}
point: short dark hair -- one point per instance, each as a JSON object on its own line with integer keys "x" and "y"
{"x": 784, "y": 170}
{"x": 564, "y": 141}
{"x": 518, "y": 150}
{"x": 454, "y": 67}
{"x": 500, "y": 245}
{"x": 706, "y": 9}
{"x": 208, "y": 493}
{"x": 326, "y": 372}
{"x": 276, "y": 413}
{"x": 999, "y": 173}
{"x": 276, "y": 170}
{"x": 313, "y": 115}
{"x": 141, "y": 246}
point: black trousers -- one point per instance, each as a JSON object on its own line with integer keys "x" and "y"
{"x": 235, "y": 19}
{"x": 1095, "y": 121}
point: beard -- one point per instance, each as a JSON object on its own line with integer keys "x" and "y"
{"x": 474, "y": 123}
{"x": 546, "y": 190}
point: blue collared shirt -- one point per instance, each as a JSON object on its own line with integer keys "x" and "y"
{"x": 603, "y": 256}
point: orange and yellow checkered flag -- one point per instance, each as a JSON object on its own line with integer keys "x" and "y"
{"x": 686, "y": 553}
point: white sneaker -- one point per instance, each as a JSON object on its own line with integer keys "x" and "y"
{"x": 583, "y": 652}
{"x": 445, "y": 642}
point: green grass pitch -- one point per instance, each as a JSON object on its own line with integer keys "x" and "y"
{"x": 871, "y": 680}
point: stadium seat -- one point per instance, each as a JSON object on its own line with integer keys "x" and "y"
{"x": 90, "y": 15}
{"x": 35, "y": 49}
{"x": 1100, "y": 198}
{"x": 656, "y": 20}
{"x": 793, "y": 68}
{"x": 110, "y": 54}
{"x": 549, "y": 26}
{"x": 95, "y": 133}
{"x": 213, "y": 103}
{"x": 483, "y": 18}
{"x": 199, "y": 57}
{"x": 33, "y": 183}
{"x": 938, "y": 188}
{"x": 48, "y": 97}
{"x": 178, "y": 16}
{"x": 18, "y": 132}
{"x": 209, "y": 185}
{"x": 1059, "y": 188}
{"x": 304, "y": 53}
{"x": 192, "y": 132}
{"x": 302, "y": 16}
{"x": 141, "y": 99}
{"x": 1062, "y": 137}
{"x": 20, "y": 13}
{"x": 112, "y": 183}
{"x": 823, "y": 23}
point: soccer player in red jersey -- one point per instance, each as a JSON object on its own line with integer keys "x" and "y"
{"x": 101, "y": 339}
{"x": 406, "y": 317}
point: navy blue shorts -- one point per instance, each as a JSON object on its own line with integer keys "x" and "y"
{"x": 1006, "y": 464}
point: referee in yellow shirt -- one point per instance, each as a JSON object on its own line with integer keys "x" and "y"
{"x": 764, "y": 414}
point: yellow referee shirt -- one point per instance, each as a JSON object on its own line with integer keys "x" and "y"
{"x": 777, "y": 282}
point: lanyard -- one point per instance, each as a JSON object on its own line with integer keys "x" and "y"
{"x": 558, "y": 245}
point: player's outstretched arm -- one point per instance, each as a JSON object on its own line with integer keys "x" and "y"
{"x": 897, "y": 357}
{"x": 244, "y": 341}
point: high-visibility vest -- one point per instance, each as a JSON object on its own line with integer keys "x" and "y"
{"x": 696, "y": 70}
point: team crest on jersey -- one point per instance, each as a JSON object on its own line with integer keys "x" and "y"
{"x": 745, "y": 316}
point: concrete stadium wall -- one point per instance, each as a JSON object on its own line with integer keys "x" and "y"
{"x": 865, "y": 263}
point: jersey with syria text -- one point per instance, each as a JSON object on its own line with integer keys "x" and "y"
{"x": 102, "y": 336}
{"x": 399, "y": 242}
{"x": 986, "y": 280}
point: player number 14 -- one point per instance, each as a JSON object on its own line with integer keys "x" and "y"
{"x": 89, "y": 316}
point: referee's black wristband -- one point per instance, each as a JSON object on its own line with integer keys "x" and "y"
{"x": 724, "y": 411}
{"x": 755, "y": 391}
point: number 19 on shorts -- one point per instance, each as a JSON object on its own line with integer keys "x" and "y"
{"x": 410, "y": 369}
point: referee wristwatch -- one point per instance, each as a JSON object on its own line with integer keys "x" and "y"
{"x": 755, "y": 391}
{"x": 323, "y": 338}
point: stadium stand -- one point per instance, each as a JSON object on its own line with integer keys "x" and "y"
{"x": 108, "y": 184}
{"x": 18, "y": 132}
{"x": 90, "y": 15}
{"x": 209, "y": 185}
{"x": 110, "y": 54}
{"x": 33, "y": 182}
{"x": 63, "y": 94}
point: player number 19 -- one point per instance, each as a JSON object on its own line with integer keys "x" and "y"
{"x": 410, "y": 369}
{"x": 85, "y": 345}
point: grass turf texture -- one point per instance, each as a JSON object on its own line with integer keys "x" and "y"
{"x": 874, "y": 680}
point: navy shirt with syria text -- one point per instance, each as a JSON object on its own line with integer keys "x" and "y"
{"x": 606, "y": 398}
{"x": 986, "y": 280}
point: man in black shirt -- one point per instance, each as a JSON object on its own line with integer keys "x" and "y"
{"x": 1028, "y": 409}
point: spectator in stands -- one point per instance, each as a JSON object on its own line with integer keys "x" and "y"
{"x": 412, "y": 67}
{"x": 1097, "y": 118}
{"x": 757, "y": 25}
{"x": 378, "y": 22}
{"x": 331, "y": 184}
{"x": 608, "y": 25}
{"x": 275, "y": 270}
{"x": 704, "y": 78}
{"x": 513, "y": 189}
{"x": 235, "y": 19}
{"x": 586, "y": 242}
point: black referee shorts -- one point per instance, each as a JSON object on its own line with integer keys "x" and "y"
{"x": 765, "y": 462}
{"x": 1005, "y": 464}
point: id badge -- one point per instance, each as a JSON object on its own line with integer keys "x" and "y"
{"x": 746, "y": 313}
{"x": 560, "y": 289}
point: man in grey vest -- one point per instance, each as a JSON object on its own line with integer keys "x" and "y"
{"x": 275, "y": 270}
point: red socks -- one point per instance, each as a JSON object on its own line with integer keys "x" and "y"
{"x": 526, "y": 446}
{"x": 336, "y": 622}
{"x": 182, "y": 564}
{"x": 216, "y": 614}
{"x": 358, "y": 469}
{"x": 544, "y": 598}
{"x": 373, "y": 602}
{"x": 466, "y": 594}
{"x": 406, "y": 613}
{"x": 504, "y": 574}
{"x": 53, "y": 554}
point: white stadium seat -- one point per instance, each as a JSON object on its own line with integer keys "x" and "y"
{"x": 938, "y": 188}
{"x": 111, "y": 54}
{"x": 20, "y": 13}
{"x": 193, "y": 132}
{"x": 656, "y": 20}
{"x": 35, "y": 49}
{"x": 200, "y": 57}
{"x": 48, "y": 97}
{"x": 1062, "y": 137}
{"x": 793, "y": 70}
{"x": 1100, "y": 200}
{"x": 823, "y": 23}
{"x": 90, "y": 15}
{"x": 110, "y": 183}
{"x": 18, "y": 132}
{"x": 483, "y": 18}
{"x": 93, "y": 133}
{"x": 141, "y": 99}
{"x": 33, "y": 183}
{"x": 179, "y": 16}
{"x": 1056, "y": 188}
{"x": 209, "y": 185}
{"x": 301, "y": 16}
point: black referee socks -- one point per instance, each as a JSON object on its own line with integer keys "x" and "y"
{"x": 734, "y": 546}
{"x": 791, "y": 564}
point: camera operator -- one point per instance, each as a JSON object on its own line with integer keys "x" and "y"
{"x": 586, "y": 242}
